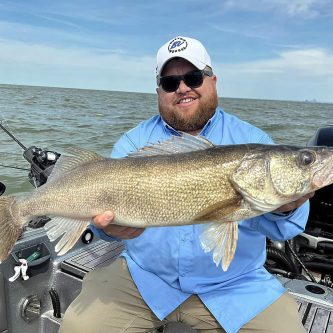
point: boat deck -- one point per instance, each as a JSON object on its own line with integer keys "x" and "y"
{"x": 317, "y": 316}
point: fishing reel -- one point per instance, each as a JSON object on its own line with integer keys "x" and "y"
{"x": 2, "y": 188}
{"x": 41, "y": 162}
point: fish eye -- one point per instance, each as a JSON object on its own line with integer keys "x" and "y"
{"x": 307, "y": 157}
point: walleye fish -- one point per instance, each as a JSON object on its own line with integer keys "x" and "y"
{"x": 184, "y": 180}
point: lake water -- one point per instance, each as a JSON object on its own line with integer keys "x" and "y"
{"x": 56, "y": 118}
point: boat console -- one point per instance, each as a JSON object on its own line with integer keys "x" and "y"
{"x": 37, "y": 303}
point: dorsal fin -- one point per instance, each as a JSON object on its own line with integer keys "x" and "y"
{"x": 73, "y": 157}
{"x": 176, "y": 144}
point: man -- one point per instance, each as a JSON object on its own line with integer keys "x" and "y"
{"x": 165, "y": 275}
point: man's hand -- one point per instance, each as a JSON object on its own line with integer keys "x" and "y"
{"x": 295, "y": 204}
{"x": 104, "y": 222}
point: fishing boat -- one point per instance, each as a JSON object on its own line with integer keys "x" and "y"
{"x": 37, "y": 286}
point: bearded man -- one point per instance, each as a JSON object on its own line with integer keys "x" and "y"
{"x": 164, "y": 275}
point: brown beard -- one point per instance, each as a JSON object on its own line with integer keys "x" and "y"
{"x": 198, "y": 121}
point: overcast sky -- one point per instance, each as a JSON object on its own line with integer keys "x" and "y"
{"x": 270, "y": 49}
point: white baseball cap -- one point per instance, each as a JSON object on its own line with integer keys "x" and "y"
{"x": 183, "y": 47}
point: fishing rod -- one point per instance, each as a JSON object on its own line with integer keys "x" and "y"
{"x": 16, "y": 140}
{"x": 12, "y": 136}
{"x": 41, "y": 160}
{"x": 13, "y": 167}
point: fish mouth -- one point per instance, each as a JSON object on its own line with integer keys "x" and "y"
{"x": 323, "y": 176}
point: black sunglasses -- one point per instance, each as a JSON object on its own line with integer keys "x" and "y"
{"x": 193, "y": 79}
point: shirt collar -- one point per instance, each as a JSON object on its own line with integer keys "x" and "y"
{"x": 169, "y": 128}
{"x": 210, "y": 124}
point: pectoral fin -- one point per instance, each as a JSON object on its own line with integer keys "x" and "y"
{"x": 222, "y": 240}
{"x": 68, "y": 229}
{"x": 221, "y": 236}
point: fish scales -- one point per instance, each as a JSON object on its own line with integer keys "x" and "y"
{"x": 173, "y": 189}
{"x": 140, "y": 190}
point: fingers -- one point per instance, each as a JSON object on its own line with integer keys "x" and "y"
{"x": 123, "y": 232}
{"x": 104, "y": 221}
{"x": 301, "y": 200}
{"x": 286, "y": 208}
{"x": 295, "y": 204}
{"x": 309, "y": 195}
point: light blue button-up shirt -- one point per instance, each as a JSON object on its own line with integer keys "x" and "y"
{"x": 168, "y": 264}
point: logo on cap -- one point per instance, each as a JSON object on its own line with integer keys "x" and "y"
{"x": 177, "y": 45}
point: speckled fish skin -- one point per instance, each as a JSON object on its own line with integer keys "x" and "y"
{"x": 217, "y": 184}
{"x": 157, "y": 190}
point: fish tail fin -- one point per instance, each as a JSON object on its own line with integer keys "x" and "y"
{"x": 222, "y": 240}
{"x": 10, "y": 225}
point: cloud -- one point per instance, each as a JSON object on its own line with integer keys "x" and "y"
{"x": 34, "y": 33}
{"x": 301, "y": 8}
{"x": 61, "y": 22}
{"x": 34, "y": 64}
{"x": 307, "y": 62}
{"x": 299, "y": 75}
{"x": 251, "y": 33}
{"x": 36, "y": 54}
{"x": 296, "y": 74}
